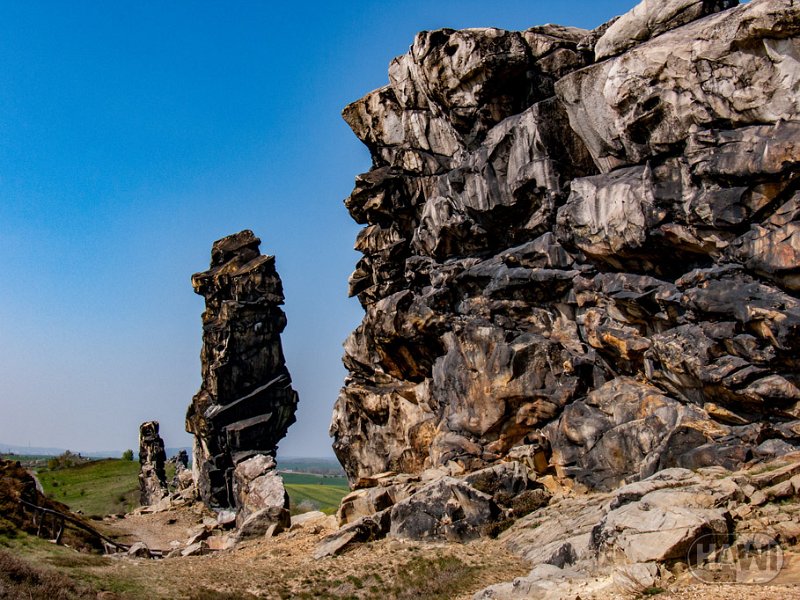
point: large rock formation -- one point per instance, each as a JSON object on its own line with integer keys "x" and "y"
{"x": 582, "y": 242}
{"x": 152, "y": 459}
{"x": 246, "y": 402}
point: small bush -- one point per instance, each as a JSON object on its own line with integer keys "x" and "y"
{"x": 65, "y": 461}
{"x": 127, "y": 455}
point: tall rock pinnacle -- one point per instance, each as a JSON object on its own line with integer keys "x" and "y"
{"x": 246, "y": 402}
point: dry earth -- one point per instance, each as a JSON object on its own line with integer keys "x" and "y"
{"x": 283, "y": 567}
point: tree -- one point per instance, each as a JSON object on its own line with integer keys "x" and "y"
{"x": 127, "y": 455}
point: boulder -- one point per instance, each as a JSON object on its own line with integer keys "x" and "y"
{"x": 265, "y": 522}
{"x": 139, "y": 550}
{"x": 447, "y": 509}
{"x": 365, "y": 529}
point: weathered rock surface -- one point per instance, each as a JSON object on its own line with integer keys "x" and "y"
{"x": 246, "y": 401}
{"x": 183, "y": 478}
{"x": 152, "y": 458}
{"x": 437, "y": 505}
{"x": 626, "y": 541}
{"x": 650, "y": 18}
{"x": 589, "y": 267}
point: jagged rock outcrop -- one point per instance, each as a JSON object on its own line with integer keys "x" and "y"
{"x": 152, "y": 459}
{"x": 581, "y": 246}
{"x": 183, "y": 478}
{"x": 246, "y": 402}
{"x": 723, "y": 526}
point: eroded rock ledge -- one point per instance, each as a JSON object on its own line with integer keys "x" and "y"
{"x": 583, "y": 243}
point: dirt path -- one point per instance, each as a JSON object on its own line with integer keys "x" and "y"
{"x": 157, "y": 530}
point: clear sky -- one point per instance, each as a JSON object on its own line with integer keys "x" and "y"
{"x": 134, "y": 134}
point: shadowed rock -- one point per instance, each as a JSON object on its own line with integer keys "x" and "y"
{"x": 246, "y": 402}
{"x": 599, "y": 259}
{"x": 152, "y": 458}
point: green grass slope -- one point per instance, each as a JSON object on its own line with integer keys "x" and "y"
{"x": 314, "y": 492}
{"x": 110, "y": 486}
{"x": 99, "y": 487}
{"x": 315, "y": 497}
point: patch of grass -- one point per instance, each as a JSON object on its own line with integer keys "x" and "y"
{"x": 77, "y": 571}
{"x": 98, "y": 487}
{"x": 494, "y": 529}
{"x": 326, "y": 497}
{"x": 767, "y": 468}
{"x": 208, "y": 594}
{"x": 437, "y": 578}
{"x": 21, "y": 579}
{"x": 653, "y": 591}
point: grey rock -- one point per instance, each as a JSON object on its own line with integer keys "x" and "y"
{"x": 650, "y": 18}
{"x": 139, "y": 550}
{"x": 365, "y": 529}
{"x": 591, "y": 270}
{"x": 196, "y": 549}
{"x": 303, "y": 519}
{"x": 257, "y": 486}
{"x": 731, "y": 66}
{"x": 447, "y": 509}
{"x": 265, "y": 522}
{"x": 226, "y": 518}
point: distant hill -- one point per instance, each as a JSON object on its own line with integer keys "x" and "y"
{"x": 44, "y": 451}
{"x": 320, "y": 466}
{"x": 30, "y": 450}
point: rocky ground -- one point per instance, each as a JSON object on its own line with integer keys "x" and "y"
{"x": 284, "y": 567}
{"x": 628, "y": 543}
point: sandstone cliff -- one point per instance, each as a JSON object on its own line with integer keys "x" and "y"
{"x": 246, "y": 402}
{"x": 581, "y": 246}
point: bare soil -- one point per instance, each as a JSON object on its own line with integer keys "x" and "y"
{"x": 284, "y": 567}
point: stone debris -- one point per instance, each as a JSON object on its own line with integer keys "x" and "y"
{"x": 623, "y": 542}
{"x": 139, "y": 550}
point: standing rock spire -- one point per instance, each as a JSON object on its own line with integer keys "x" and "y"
{"x": 152, "y": 456}
{"x": 246, "y": 402}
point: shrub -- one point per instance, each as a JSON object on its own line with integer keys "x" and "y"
{"x": 127, "y": 455}
{"x": 66, "y": 460}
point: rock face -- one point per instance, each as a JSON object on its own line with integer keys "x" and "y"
{"x": 603, "y": 544}
{"x": 152, "y": 458}
{"x": 246, "y": 402}
{"x": 589, "y": 261}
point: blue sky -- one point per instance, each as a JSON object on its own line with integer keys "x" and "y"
{"x": 134, "y": 134}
